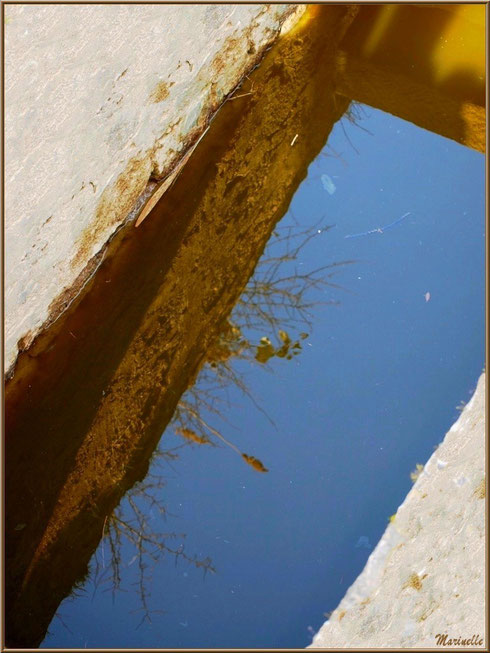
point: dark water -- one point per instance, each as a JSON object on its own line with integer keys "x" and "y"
{"x": 340, "y": 425}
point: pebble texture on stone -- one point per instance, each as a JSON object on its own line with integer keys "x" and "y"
{"x": 426, "y": 577}
{"x": 98, "y": 99}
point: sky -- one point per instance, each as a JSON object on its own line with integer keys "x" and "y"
{"x": 391, "y": 351}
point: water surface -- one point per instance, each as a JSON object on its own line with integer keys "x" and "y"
{"x": 340, "y": 426}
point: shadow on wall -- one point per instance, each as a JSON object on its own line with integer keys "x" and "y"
{"x": 90, "y": 399}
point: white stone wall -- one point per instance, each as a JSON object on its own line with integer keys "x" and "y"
{"x": 426, "y": 577}
{"x": 97, "y": 99}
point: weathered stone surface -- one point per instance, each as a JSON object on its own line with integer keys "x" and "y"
{"x": 99, "y": 99}
{"x": 426, "y": 577}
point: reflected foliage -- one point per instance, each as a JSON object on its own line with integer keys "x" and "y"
{"x": 288, "y": 349}
{"x": 278, "y": 300}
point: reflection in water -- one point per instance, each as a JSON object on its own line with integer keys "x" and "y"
{"x": 89, "y": 401}
{"x": 276, "y": 298}
{"x": 435, "y": 41}
{"x": 425, "y": 64}
{"x": 132, "y": 523}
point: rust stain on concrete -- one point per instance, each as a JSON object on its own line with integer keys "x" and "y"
{"x": 116, "y": 203}
{"x": 159, "y": 93}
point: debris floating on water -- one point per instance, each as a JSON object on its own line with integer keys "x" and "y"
{"x": 328, "y": 184}
{"x": 380, "y": 230}
{"x": 363, "y": 542}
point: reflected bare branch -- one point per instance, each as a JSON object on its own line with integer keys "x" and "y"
{"x": 131, "y": 523}
{"x": 277, "y": 301}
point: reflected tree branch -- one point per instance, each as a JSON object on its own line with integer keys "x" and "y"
{"x": 278, "y": 299}
{"x": 131, "y": 524}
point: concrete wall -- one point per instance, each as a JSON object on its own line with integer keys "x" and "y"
{"x": 98, "y": 100}
{"x": 426, "y": 577}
